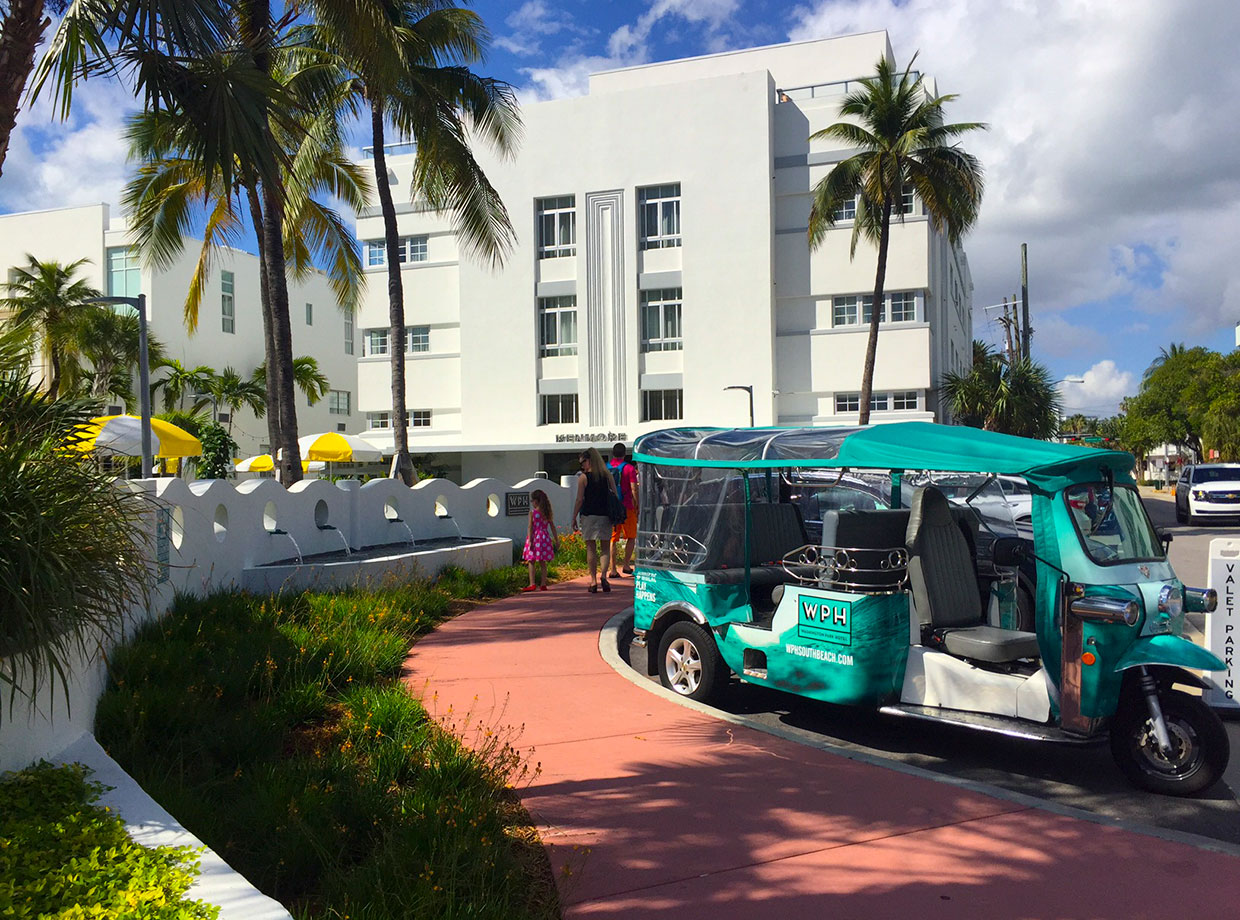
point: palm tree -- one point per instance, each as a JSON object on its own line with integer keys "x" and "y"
{"x": 182, "y": 381}
{"x": 1017, "y": 397}
{"x": 46, "y": 300}
{"x": 109, "y": 340}
{"x": 307, "y": 378}
{"x": 434, "y": 99}
{"x": 904, "y": 144}
{"x": 230, "y": 389}
{"x": 1165, "y": 353}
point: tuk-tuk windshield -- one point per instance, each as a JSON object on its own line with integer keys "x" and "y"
{"x": 1112, "y": 524}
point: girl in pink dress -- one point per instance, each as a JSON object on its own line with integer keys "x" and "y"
{"x": 540, "y": 539}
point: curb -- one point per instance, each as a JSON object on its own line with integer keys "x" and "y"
{"x": 608, "y": 646}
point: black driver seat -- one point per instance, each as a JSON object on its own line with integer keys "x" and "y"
{"x": 944, "y": 584}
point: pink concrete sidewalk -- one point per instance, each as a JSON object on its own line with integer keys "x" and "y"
{"x": 651, "y": 809}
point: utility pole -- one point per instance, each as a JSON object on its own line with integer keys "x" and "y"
{"x": 1024, "y": 297}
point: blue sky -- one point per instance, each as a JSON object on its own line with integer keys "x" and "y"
{"x": 1111, "y": 150}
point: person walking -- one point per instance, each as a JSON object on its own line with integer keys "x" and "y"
{"x": 590, "y": 515}
{"x": 624, "y": 473}
{"x": 541, "y": 539}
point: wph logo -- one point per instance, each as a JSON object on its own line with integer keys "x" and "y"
{"x": 825, "y": 620}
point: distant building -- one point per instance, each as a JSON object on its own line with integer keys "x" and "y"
{"x": 230, "y": 324}
{"x": 661, "y": 258}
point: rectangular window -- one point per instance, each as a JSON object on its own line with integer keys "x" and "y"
{"x": 658, "y": 209}
{"x": 338, "y": 402}
{"x": 847, "y": 402}
{"x": 847, "y": 210}
{"x": 413, "y": 249}
{"x": 903, "y": 307}
{"x": 661, "y": 310}
{"x": 309, "y": 314}
{"x": 376, "y": 253}
{"x": 417, "y": 339}
{"x": 904, "y": 400}
{"x": 848, "y": 311}
{"x": 880, "y": 402}
{"x": 557, "y": 408}
{"x": 408, "y": 249}
{"x": 124, "y": 272}
{"x": 658, "y": 405}
{"x": 348, "y": 333}
{"x": 906, "y": 200}
{"x": 557, "y": 323}
{"x": 420, "y": 418}
{"x": 228, "y": 303}
{"x": 557, "y": 227}
{"x": 376, "y": 342}
{"x": 379, "y": 420}
{"x": 867, "y": 303}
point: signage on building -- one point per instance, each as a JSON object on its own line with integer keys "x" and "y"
{"x": 516, "y": 504}
{"x": 1223, "y": 625}
{"x": 609, "y": 437}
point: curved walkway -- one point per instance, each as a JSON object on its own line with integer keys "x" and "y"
{"x": 649, "y": 808}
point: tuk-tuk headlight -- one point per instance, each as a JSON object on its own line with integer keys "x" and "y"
{"x": 1170, "y": 609}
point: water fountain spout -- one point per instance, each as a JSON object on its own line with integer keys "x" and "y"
{"x": 284, "y": 533}
{"x": 404, "y": 525}
{"x": 348, "y": 551}
{"x": 447, "y": 517}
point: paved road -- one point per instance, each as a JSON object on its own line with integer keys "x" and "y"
{"x": 1083, "y": 778}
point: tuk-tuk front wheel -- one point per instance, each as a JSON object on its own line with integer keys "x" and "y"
{"x": 1200, "y": 748}
{"x": 690, "y": 663}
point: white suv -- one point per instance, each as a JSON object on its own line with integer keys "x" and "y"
{"x": 1207, "y": 490}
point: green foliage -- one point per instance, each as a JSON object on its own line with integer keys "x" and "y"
{"x": 70, "y": 562}
{"x": 1189, "y": 397}
{"x": 1012, "y": 397}
{"x": 278, "y": 731}
{"x": 63, "y": 855}
{"x": 218, "y": 451}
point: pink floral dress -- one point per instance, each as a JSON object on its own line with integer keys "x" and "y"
{"x": 538, "y": 548}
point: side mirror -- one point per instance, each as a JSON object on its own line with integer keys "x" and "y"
{"x": 1165, "y": 537}
{"x": 1009, "y": 551}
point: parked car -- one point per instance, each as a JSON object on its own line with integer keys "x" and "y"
{"x": 1207, "y": 490}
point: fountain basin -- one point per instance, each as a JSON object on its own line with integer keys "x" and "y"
{"x": 374, "y": 566}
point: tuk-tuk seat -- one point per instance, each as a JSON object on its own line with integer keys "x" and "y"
{"x": 944, "y": 583}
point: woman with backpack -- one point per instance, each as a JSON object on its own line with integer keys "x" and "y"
{"x": 591, "y": 517}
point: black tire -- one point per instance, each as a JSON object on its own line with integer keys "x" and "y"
{"x": 690, "y": 663}
{"x": 1196, "y": 732}
{"x": 1181, "y": 516}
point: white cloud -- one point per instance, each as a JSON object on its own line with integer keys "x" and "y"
{"x": 1105, "y": 385}
{"x": 1111, "y": 132}
{"x": 533, "y": 21}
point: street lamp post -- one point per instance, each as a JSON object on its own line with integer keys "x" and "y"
{"x": 1071, "y": 378}
{"x": 144, "y": 374}
{"x": 749, "y": 390}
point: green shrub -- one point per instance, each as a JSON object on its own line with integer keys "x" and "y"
{"x": 63, "y": 855}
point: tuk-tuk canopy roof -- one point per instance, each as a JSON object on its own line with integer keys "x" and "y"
{"x": 895, "y": 446}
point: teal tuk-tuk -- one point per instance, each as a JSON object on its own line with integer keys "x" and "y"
{"x": 883, "y": 603}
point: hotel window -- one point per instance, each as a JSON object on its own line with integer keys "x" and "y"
{"x": 904, "y": 400}
{"x": 376, "y": 253}
{"x": 338, "y": 402}
{"x": 847, "y": 402}
{"x": 420, "y": 418}
{"x": 658, "y": 405}
{"x": 379, "y": 420}
{"x": 847, "y": 210}
{"x": 658, "y": 210}
{"x": 408, "y": 249}
{"x": 903, "y": 307}
{"x": 309, "y": 314}
{"x": 376, "y": 342}
{"x": 844, "y": 310}
{"x": 906, "y": 200}
{"x": 124, "y": 272}
{"x": 417, "y": 339}
{"x": 557, "y": 323}
{"x": 661, "y": 329}
{"x": 557, "y": 227}
{"x": 880, "y": 402}
{"x": 557, "y": 408}
{"x": 228, "y": 303}
{"x": 348, "y": 333}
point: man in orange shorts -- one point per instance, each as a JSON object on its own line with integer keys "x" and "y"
{"x": 624, "y": 471}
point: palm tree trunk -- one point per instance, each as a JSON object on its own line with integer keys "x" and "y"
{"x": 53, "y": 360}
{"x": 274, "y": 438}
{"x": 876, "y": 312}
{"x": 20, "y": 33}
{"x": 282, "y": 333}
{"x": 402, "y": 466}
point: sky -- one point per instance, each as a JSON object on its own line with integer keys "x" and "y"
{"x": 1111, "y": 149}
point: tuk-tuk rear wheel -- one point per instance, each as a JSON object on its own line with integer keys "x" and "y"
{"x": 1199, "y": 738}
{"x": 690, "y": 663}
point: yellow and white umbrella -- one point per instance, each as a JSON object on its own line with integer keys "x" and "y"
{"x": 122, "y": 434}
{"x": 264, "y": 463}
{"x": 335, "y": 447}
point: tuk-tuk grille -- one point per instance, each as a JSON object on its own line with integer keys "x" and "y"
{"x": 865, "y": 570}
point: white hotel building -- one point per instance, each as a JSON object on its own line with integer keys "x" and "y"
{"x": 230, "y": 322}
{"x": 661, "y": 258}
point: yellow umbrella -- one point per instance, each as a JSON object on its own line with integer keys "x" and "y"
{"x": 122, "y": 434}
{"x": 337, "y": 448}
{"x": 263, "y": 463}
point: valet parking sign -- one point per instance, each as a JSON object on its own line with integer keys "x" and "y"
{"x": 1223, "y": 626}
